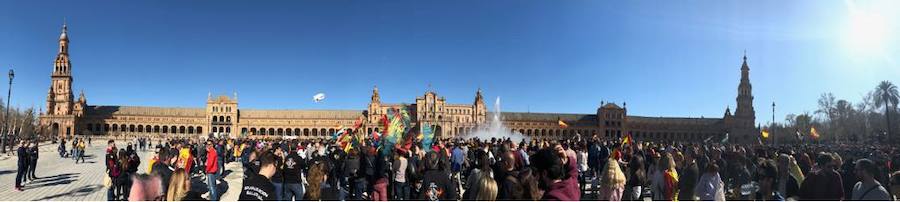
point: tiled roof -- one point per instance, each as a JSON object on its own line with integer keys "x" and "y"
{"x": 144, "y": 111}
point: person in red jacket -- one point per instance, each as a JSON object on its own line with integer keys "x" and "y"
{"x": 212, "y": 167}
{"x": 557, "y": 174}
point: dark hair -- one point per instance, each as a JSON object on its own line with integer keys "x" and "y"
{"x": 163, "y": 154}
{"x": 529, "y": 184}
{"x": 110, "y": 141}
{"x": 823, "y": 159}
{"x": 265, "y": 159}
{"x": 868, "y": 166}
{"x": 546, "y": 160}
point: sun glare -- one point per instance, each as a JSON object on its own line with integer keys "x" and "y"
{"x": 866, "y": 32}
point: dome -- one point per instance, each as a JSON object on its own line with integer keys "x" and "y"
{"x": 63, "y": 36}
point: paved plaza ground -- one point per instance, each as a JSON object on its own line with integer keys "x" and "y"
{"x": 60, "y": 179}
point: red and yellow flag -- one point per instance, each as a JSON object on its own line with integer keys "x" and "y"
{"x": 627, "y": 139}
{"x": 813, "y": 133}
{"x": 765, "y": 134}
{"x": 562, "y": 124}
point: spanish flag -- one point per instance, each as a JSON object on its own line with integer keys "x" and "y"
{"x": 813, "y": 133}
{"x": 562, "y": 124}
{"x": 765, "y": 134}
{"x": 627, "y": 139}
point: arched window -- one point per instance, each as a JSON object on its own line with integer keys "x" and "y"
{"x": 228, "y": 119}
{"x": 215, "y": 119}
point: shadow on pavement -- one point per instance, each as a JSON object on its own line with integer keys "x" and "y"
{"x": 82, "y": 191}
{"x": 60, "y": 179}
{"x": 4, "y": 172}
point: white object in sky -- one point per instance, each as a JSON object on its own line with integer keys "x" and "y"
{"x": 318, "y": 97}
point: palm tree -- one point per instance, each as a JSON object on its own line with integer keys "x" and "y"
{"x": 886, "y": 94}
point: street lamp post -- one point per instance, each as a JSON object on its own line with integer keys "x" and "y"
{"x": 6, "y": 123}
{"x": 773, "y": 124}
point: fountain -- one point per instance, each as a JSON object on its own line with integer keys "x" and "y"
{"x": 495, "y": 129}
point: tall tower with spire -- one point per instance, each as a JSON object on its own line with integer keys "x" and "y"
{"x": 744, "y": 115}
{"x": 374, "y": 111}
{"x": 60, "y": 99}
{"x": 63, "y": 109}
{"x": 480, "y": 110}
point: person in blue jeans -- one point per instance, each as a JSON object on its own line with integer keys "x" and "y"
{"x": 220, "y": 151}
{"x": 292, "y": 172}
{"x": 212, "y": 167}
{"x": 278, "y": 177}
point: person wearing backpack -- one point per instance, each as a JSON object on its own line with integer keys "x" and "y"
{"x": 868, "y": 189}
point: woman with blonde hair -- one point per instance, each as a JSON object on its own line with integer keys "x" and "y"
{"x": 789, "y": 177}
{"x": 665, "y": 181}
{"x": 316, "y": 179}
{"x": 487, "y": 188}
{"x": 613, "y": 182}
{"x": 179, "y": 185}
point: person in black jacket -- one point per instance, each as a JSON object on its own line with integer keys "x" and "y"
{"x": 436, "y": 184}
{"x": 33, "y": 154}
{"x": 257, "y": 186}
{"x": 163, "y": 169}
{"x": 22, "y": 165}
{"x": 278, "y": 178}
{"x": 293, "y": 165}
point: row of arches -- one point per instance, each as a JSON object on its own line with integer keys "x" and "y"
{"x": 554, "y": 132}
{"x": 289, "y": 131}
{"x": 681, "y": 136}
{"x": 97, "y": 128}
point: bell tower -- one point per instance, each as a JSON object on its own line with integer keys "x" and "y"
{"x": 60, "y": 100}
{"x": 743, "y": 123}
{"x": 63, "y": 110}
{"x": 744, "y": 112}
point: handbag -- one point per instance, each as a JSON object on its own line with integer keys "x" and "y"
{"x": 107, "y": 182}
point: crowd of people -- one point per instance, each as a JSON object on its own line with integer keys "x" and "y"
{"x": 488, "y": 169}
{"x": 501, "y": 169}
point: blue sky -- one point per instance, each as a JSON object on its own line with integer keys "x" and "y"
{"x": 664, "y": 58}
